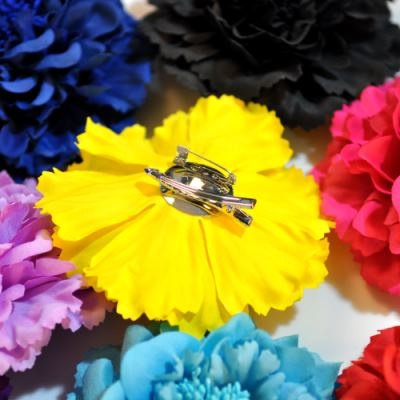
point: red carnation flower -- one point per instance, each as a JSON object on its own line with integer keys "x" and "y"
{"x": 360, "y": 182}
{"x": 376, "y": 375}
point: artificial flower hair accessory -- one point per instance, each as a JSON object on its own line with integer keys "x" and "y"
{"x": 300, "y": 58}
{"x": 237, "y": 361}
{"x": 35, "y": 294}
{"x": 376, "y": 375}
{"x": 60, "y": 62}
{"x": 189, "y": 269}
{"x": 360, "y": 182}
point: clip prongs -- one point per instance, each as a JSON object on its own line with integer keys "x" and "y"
{"x": 183, "y": 154}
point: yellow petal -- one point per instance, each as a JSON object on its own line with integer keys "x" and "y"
{"x": 103, "y": 150}
{"x": 149, "y": 267}
{"x": 239, "y": 137}
{"x": 173, "y": 132}
{"x": 211, "y": 316}
{"x": 83, "y": 202}
{"x": 269, "y": 263}
{"x": 226, "y": 131}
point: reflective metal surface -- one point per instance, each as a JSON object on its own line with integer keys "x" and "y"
{"x": 199, "y": 189}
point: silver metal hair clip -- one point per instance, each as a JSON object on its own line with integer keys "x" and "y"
{"x": 200, "y": 189}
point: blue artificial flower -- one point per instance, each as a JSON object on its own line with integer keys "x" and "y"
{"x": 235, "y": 362}
{"x": 61, "y": 62}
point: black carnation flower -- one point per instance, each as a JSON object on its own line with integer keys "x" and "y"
{"x": 303, "y": 58}
{"x": 62, "y": 61}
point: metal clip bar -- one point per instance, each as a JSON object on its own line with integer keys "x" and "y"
{"x": 228, "y": 201}
{"x": 231, "y": 204}
{"x": 183, "y": 154}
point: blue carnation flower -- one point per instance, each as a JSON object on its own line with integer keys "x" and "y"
{"x": 235, "y": 362}
{"x": 61, "y": 62}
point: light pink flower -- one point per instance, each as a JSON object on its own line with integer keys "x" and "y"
{"x": 35, "y": 294}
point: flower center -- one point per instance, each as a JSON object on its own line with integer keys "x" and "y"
{"x": 9, "y": 11}
{"x": 12, "y": 7}
{"x": 252, "y": 24}
{"x": 195, "y": 390}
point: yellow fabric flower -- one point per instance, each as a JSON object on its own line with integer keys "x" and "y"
{"x": 194, "y": 271}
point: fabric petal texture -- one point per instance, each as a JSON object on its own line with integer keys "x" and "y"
{"x": 360, "y": 181}
{"x": 376, "y": 375}
{"x": 300, "y": 58}
{"x": 61, "y": 62}
{"x": 191, "y": 270}
{"x": 237, "y": 361}
{"x": 35, "y": 292}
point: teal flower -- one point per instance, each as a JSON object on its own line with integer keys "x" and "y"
{"x": 235, "y": 362}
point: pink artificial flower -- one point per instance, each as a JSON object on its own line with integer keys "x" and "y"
{"x": 35, "y": 294}
{"x": 360, "y": 182}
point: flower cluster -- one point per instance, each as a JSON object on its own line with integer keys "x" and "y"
{"x": 302, "y": 58}
{"x": 176, "y": 241}
{"x": 376, "y": 375}
{"x": 60, "y": 62}
{"x": 35, "y": 294}
{"x": 111, "y": 214}
{"x": 360, "y": 182}
{"x": 237, "y": 361}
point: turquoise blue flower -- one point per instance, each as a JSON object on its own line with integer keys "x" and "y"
{"x": 235, "y": 362}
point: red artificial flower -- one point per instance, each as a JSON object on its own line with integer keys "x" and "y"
{"x": 360, "y": 182}
{"x": 376, "y": 376}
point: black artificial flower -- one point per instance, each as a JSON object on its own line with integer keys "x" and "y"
{"x": 303, "y": 58}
